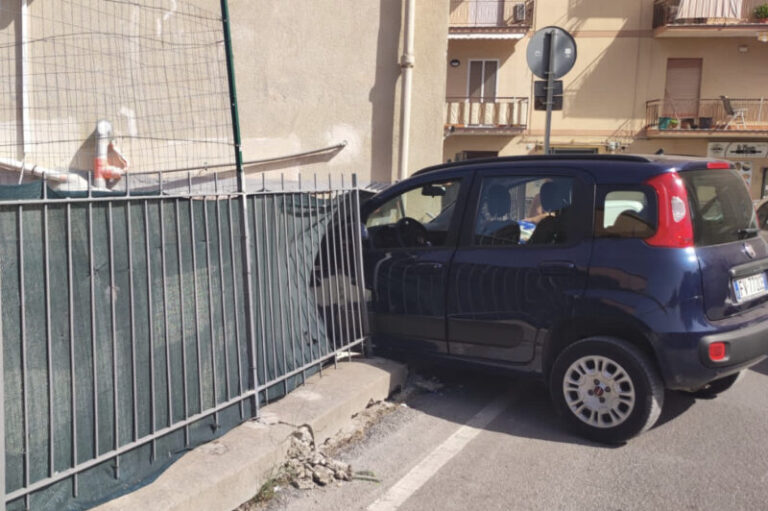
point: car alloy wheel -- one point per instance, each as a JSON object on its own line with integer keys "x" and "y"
{"x": 599, "y": 391}
{"x": 606, "y": 389}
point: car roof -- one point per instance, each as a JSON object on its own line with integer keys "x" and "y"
{"x": 605, "y": 168}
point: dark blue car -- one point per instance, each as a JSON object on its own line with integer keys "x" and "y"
{"x": 613, "y": 277}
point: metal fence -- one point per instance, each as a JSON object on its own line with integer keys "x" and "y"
{"x": 511, "y": 112}
{"x": 707, "y": 114}
{"x": 139, "y": 323}
{"x": 490, "y": 13}
{"x": 702, "y": 12}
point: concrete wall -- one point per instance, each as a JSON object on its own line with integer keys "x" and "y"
{"x": 328, "y": 71}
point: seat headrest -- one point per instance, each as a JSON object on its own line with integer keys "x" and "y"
{"x": 499, "y": 202}
{"x": 555, "y": 195}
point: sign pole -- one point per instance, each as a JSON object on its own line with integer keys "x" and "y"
{"x": 550, "y": 88}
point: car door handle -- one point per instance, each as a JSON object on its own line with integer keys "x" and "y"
{"x": 556, "y": 267}
{"x": 431, "y": 266}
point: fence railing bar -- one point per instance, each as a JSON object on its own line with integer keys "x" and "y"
{"x": 182, "y": 320}
{"x": 23, "y": 334}
{"x": 113, "y": 320}
{"x": 213, "y": 336}
{"x": 152, "y": 198}
{"x": 332, "y": 355}
{"x": 166, "y": 336}
{"x": 326, "y": 279}
{"x": 151, "y": 331}
{"x": 288, "y": 271}
{"x": 278, "y": 263}
{"x": 222, "y": 295}
{"x": 358, "y": 224}
{"x": 301, "y": 265}
{"x": 292, "y": 270}
{"x": 94, "y": 350}
{"x": 311, "y": 269}
{"x": 333, "y": 271}
{"x": 132, "y": 313}
{"x": 354, "y": 229}
{"x": 48, "y": 350}
{"x": 261, "y": 278}
{"x": 346, "y": 263}
{"x": 268, "y": 295}
{"x": 236, "y": 304}
{"x": 71, "y": 314}
{"x": 197, "y": 305}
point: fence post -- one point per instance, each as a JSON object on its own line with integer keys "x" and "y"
{"x": 2, "y": 413}
{"x": 241, "y": 188}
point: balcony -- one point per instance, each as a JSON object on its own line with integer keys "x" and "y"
{"x": 708, "y": 118}
{"x": 490, "y": 19}
{"x": 707, "y": 18}
{"x": 500, "y": 116}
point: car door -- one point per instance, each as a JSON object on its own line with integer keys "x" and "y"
{"x": 412, "y": 231}
{"x": 521, "y": 262}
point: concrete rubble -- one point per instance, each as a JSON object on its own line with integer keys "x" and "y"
{"x": 308, "y": 466}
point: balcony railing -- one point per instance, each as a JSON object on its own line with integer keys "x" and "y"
{"x": 707, "y": 115}
{"x": 490, "y": 14}
{"x": 704, "y": 12}
{"x": 496, "y": 115}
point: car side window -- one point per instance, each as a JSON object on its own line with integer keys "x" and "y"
{"x": 524, "y": 210}
{"x": 625, "y": 213}
{"x": 419, "y": 217}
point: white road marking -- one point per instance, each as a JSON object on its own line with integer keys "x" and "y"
{"x": 442, "y": 454}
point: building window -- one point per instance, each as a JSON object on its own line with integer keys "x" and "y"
{"x": 483, "y": 80}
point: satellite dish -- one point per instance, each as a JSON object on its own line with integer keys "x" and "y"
{"x": 539, "y": 50}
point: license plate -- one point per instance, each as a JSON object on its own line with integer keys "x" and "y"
{"x": 750, "y": 287}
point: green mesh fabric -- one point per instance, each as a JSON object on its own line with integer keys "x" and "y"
{"x": 140, "y": 322}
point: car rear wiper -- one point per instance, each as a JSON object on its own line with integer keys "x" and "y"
{"x": 743, "y": 233}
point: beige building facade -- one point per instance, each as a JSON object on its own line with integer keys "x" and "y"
{"x": 649, "y": 76}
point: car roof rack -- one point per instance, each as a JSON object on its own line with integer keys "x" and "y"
{"x": 546, "y": 157}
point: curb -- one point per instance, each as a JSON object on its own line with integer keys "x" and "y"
{"x": 224, "y": 473}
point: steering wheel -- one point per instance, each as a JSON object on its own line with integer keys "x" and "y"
{"x": 410, "y": 233}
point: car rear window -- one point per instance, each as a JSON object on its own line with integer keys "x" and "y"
{"x": 721, "y": 207}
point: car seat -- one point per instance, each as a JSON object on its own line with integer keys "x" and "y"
{"x": 556, "y": 200}
{"x": 498, "y": 229}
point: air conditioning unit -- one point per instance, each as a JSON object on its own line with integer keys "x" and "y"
{"x": 519, "y": 12}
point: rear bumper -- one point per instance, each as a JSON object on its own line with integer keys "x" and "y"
{"x": 746, "y": 346}
{"x": 742, "y": 346}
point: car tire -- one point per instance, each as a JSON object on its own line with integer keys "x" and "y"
{"x": 606, "y": 389}
{"x": 719, "y": 386}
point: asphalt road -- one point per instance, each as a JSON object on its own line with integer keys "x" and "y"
{"x": 484, "y": 443}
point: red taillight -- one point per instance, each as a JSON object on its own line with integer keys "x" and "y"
{"x": 675, "y": 229}
{"x": 718, "y": 165}
{"x": 717, "y": 351}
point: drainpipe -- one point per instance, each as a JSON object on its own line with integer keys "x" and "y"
{"x": 406, "y": 64}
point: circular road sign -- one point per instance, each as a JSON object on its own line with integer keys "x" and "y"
{"x": 538, "y": 52}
